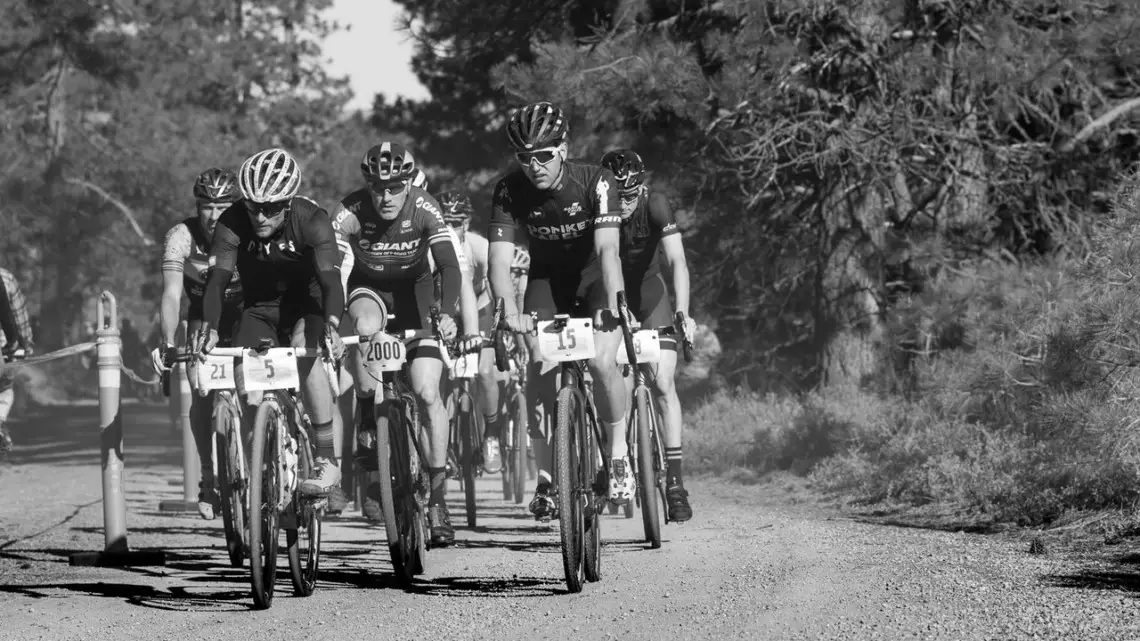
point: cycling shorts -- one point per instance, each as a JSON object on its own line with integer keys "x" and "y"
{"x": 409, "y": 300}
{"x": 650, "y": 303}
{"x": 231, "y": 315}
{"x": 295, "y": 323}
{"x": 551, "y": 291}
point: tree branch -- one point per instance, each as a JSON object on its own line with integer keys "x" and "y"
{"x": 130, "y": 216}
{"x": 1108, "y": 118}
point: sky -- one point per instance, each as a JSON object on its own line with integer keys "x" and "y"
{"x": 372, "y": 53}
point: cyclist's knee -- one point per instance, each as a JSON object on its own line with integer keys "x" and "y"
{"x": 367, "y": 323}
{"x": 425, "y": 384}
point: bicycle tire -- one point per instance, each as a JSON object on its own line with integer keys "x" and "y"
{"x": 647, "y": 469}
{"x": 468, "y": 454}
{"x": 304, "y": 565}
{"x": 384, "y": 457}
{"x": 590, "y": 464}
{"x": 521, "y": 430}
{"x": 230, "y": 486}
{"x": 263, "y": 537}
{"x": 569, "y": 421}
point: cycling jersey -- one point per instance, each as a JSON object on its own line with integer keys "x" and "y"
{"x": 297, "y": 265}
{"x": 559, "y": 222}
{"x": 378, "y": 252}
{"x": 186, "y": 251}
{"x": 472, "y": 253}
{"x": 650, "y": 220}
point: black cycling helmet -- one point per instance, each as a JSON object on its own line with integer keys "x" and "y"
{"x": 457, "y": 208}
{"x": 537, "y": 125}
{"x": 217, "y": 186}
{"x": 388, "y": 161}
{"x": 626, "y": 165}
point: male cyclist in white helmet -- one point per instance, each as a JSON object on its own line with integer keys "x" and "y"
{"x": 284, "y": 248}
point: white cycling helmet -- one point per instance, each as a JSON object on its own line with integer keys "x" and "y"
{"x": 269, "y": 176}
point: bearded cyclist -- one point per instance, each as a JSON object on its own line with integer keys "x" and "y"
{"x": 284, "y": 248}
{"x": 387, "y": 231}
{"x": 185, "y": 256}
{"x": 649, "y": 232}
{"x": 569, "y": 211}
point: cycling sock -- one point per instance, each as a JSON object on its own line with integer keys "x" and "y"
{"x": 672, "y": 465}
{"x": 544, "y": 480}
{"x": 619, "y": 449}
{"x": 365, "y": 407}
{"x": 492, "y": 426}
{"x": 207, "y": 473}
{"x": 438, "y": 476}
{"x": 326, "y": 440}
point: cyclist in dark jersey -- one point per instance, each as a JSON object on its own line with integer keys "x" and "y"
{"x": 569, "y": 211}
{"x": 284, "y": 249}
{"x": 185, "y": 256}
{"x": 388, "y": 231}
{"x": 649, "y": 232}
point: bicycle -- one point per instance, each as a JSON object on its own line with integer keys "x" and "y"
{"x": 281, "y": 449}
{"x": 466, "y": 436}
{"x": 579, "y": 447}
{"x": 216, "y": 375}
{"x": 400, "y": 451}
{"x": 647, "y": 451}
{"x": 515, "y": 439}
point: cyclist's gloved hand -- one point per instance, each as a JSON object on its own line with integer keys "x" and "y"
{"x": 470, "y": 344}
{"x": 158, "y": 358}
{"x": 333, "y": 343}
{"x": 447, "y": 327}
{"x": 688, "y": 327}
{"x": 520, "y": 323}
{"x": 204, "y": 341}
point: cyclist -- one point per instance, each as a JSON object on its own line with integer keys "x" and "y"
{"x": 650, "y": 232}
{"x": 185, "y": 266}
{"x": 569, "y": 212}
{"x": 386, "y": 231}
{"x": 284, "y": 248}
{"x": 17, "y": 335}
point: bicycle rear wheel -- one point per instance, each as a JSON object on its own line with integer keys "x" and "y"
{"x": 522, "y": 445}
{"x": 567, "y": 475}
{"x": 303, "y": 542}
{"x": 399, "y": 479}
{"x": 590, "y": 464}
{"x": 264, "y": 499}
{"x": 469, "y": 442}
{"x": 647, "y": 468}
{"x": 231, "y": 485}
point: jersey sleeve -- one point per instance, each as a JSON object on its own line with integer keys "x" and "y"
{"x": 661, "y": 215}
{"x": 502, "y": 226}
{"x": 176, "y": 248}
{"x": 604, "y": 197}
{"x": 319, "y": 235}
{"x": 477, "y": 251}
{"x": 224, "y": 245}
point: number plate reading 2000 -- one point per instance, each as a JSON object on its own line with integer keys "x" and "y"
{"x": 384, "y": 353}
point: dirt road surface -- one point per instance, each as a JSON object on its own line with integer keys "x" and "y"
{"x": 752, "y": 564}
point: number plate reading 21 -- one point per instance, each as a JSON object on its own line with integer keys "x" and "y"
{"x": 275, "y": 369}
{"x": 216, "y": 373}
{"x": 574, "y": 343}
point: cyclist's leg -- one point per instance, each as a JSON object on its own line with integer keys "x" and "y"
{"x": 413, "y": 311}
{"x": 257, "y": 323}
{"x": 368, "y": 311}
{"x": 200, "y": 426}
{"x": 316, "y": 390}
{"x": 541, "y": 393}
{"x": 488, "y": 387}
{"x": 610, "y": 393}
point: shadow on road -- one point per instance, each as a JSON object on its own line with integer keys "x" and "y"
{"x": 180, "y": 598}
{"x": 491, "y": 587}
{"x": 1125, "y": 578}
{"x": 69, "y": 435}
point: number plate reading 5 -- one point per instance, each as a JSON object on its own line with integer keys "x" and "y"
{"x": 216, "y": 373}
{"x": 467, "y": 366}
{"x": 645, "y": 346}
{"x": 275, "y": 369}
{"x": 385, "y": 353}
{"x": 574, "y": 343}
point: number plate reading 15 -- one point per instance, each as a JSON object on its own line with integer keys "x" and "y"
{"x": 216, "y": 373}
{"x": 466, "y": 366}
{"x": 574, "y": 343}
{"x": 646, "y": 347}
{"x": 275, "y": 369}
{"x": 384, "y": 353}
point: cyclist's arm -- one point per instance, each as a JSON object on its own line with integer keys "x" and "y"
{"x": 223, "y": 261}
{"x": 438, "y": 235}
{"x": 346, "y": 226}
{"x": 326, "y": 261}
{"x": 7, "y": 318}
{"x": 607, "y": 235}
{"x": 501, "y": 249}
{"x": 520, "y": 288}
{"x": 672, "y": 249}
{"x": 175, "y": 250}
{"x": 468, "y": 302}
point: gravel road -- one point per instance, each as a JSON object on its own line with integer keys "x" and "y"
{"x": 755, "y": 562}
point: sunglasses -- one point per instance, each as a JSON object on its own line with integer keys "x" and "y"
{"x": 543, "y": 156}
{"x": 268, "y": 210}
{"x": 390, "y": 189}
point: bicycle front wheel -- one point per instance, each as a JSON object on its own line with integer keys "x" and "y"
{"x": 570, "y": 514}
{"x": 647, "y": 468}
{"x": 264, "y": 502}
{"x": 403, "y": 520}
{"x": 303, "y": 541}
{"x": 468, "y": 432}
{"x": 231, "y": 483}
{"x": 520, "y": 429}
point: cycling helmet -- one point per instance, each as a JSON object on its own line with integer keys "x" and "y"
{"x": 420, "y": 180}
{"x": 217, "y": 186}
{"x": 536, "y": 126}
{"x": 269, "y": 176}
{"x": 457, "y": 208}
{"x": 388, "y": 161}
{"x": 626, "y": 165}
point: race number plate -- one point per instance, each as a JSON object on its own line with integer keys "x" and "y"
{"x": 275, "y": 369}
{"x": 466, "y": 366}
{"x": 574, "y": 343}
{"x": 646, "y": 346}
{"x": 217, "y": 372}
{"x": 384, "y": 353}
